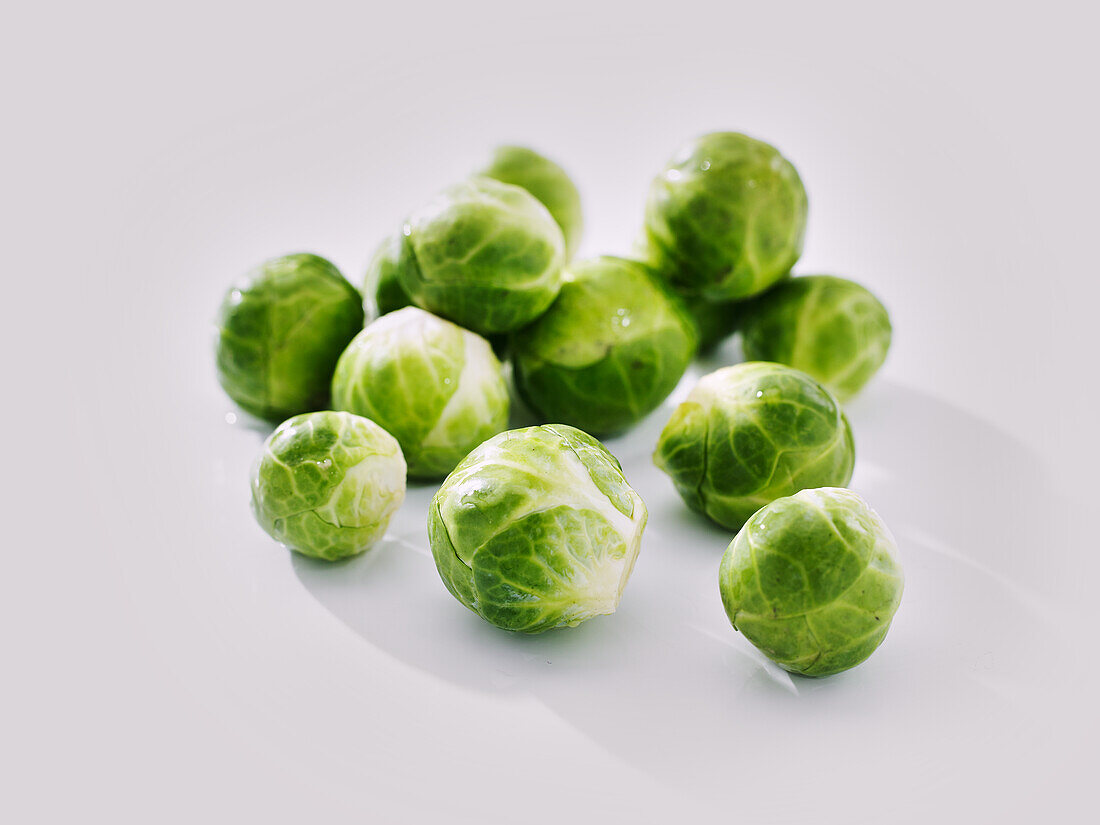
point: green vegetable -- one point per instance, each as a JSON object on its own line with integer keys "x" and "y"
{"x": 537, "y": 529}
{"x": 327, "y": 484}
{"x": 830, "y": 328}
{"x": 715, "y": 321}
{"x": 545, "y": 180}
{"x": 610, "y": 349}
{"x": 381, "y": 285}
{"x": 726, "y": 218}
{"x": 281, "y": 333}
{"x": 749, "y": 434}
{"x": 813, "y": 581}
{"x": 437, "y": 388}
{"x": 484, "y": 254}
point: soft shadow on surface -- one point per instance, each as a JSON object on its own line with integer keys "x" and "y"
{"x": 668, "y": 686}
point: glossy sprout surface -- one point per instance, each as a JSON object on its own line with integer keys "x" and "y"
{"x": 751, "y": 433}
{"x": 484, "y": 254}
{"x": 536, "y": 529}
{"x": 609, "y": 350}
{"x": 726, "y": 218}
{"x": 813, "y": 581}
{"x": 327, "y": 484}
{"x": 281, "y": 332}
{"x": 437, "y": 388}
{"x": 831, "y": 328}
{"x": 544, "y": 179}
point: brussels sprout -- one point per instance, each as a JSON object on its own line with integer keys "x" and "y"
{"x": 485, "y": 254}
{"x": 609, "y": 350}
{"x": 751, "y": 433}
{"x": 537, "y": 529}
{"x": 813, "y": 581}
{"x": 436, "y": 387}
{"x": 545, "y": 180}
{"x": 381, "y": 285}
{"x": 281, "y": 333}
{"x": 327, "y": 484}
{"x": 725, "y": 220}
{"x": 830, "y": 328}
{"x": 715, "y": 321}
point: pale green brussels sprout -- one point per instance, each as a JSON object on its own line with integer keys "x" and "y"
{"x": 726, "y": 218}
{"x": 437, "y": 388}
{"x": 544, "y": 179}
{"x": 484, "y": 254}
{"x": 281, "y": 332}
{"x": 609, "y": 350}
{"x": 382, "y": 290}
{"x": 536, "y": 529}
{"x": 752, "y": 433}
{"x": 813, "y": 581}
{"x": 828, "y": 327}
{"x": 327, "y": 484}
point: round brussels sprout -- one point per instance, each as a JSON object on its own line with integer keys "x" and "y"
{"x": 381, "y": 285}
{"x": 830, "y": 328}
{"x": 544, "y": 179}
{"x": 437, "y": 388}
{"x": 281, "y": 333}
{"x": 751, "y": 433}
{"x": 537, "y": 529}
{"x": 485, "y": 254}
{"x": 725, "y": 220}
{"x": 609, "y": 350}
{"x": 813, "y": 581}
{"x": 327, "y": 484}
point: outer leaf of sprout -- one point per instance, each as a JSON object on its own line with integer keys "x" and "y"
{"x": 813, "y": 580}
{"x": 537, "y": 529}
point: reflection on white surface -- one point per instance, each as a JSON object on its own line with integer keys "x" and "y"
{"x": 667, "y": 686}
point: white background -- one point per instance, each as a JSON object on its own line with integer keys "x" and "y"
{"x": 165, "y": 662}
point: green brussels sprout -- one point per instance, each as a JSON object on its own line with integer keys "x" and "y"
{"x": 327, "y": 484}
{"x": 536, "y": 529}
{"x": 813, "y": 581}
{"x": 281, "y": 333}
{"x": 545, "y": 180}
{"x": 726, "y": 219}
{"x": 752, "y": 433}
{"x": 484, "y": 254}
{"x": 437, "y": 388}
{"x": 381, "y": 285}
{"x": 609, "y": 350}
{"x": 830, "y": 328}
{"x": 715, "y": 321}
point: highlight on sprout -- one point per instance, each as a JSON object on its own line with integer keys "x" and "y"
{"x": 726, "y": 218}
{"x": 608, "y": 351}
{"x": 751, "y": 433}
{"x": 382, "y": 290}
{"x": 831, "y": 328}
{"x": 536, "y": 529}
{"x": 544, "y": 179}
{"x": 327, "y": 484}
{"x": 437, "y": 388}
{"x": 280, "y": 333}
{"x": 484, "y": 254}
{"x": 813, "y": 581}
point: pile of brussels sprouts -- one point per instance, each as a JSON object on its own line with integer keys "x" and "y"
{"x": 538, "y": 528}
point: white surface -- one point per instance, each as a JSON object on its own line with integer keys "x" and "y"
{"x": 165, "y": 662}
